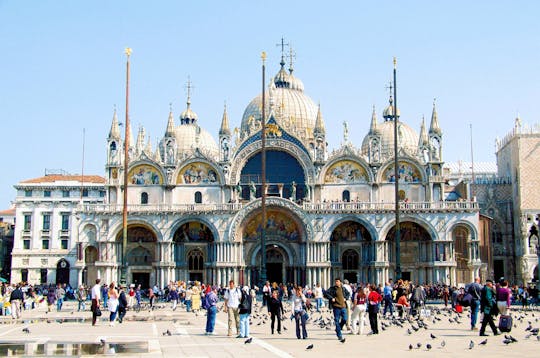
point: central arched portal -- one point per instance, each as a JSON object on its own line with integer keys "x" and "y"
{"x": 141, "y": 255}
{"x": 284, "y": 234}
{"x": 192, "y": 254}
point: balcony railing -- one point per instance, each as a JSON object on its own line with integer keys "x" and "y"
{"x": 330, "y": 207}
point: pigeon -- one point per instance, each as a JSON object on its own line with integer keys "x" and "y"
{"x": 418, "y": 345}
{"x": 309, "y": 347}
{"x": 507, "y": 341}
{"x": 432, "y": 336}
{"x": 483, "y": 343}
{"x": 26, "y": 330}
{"x": 248, "y": 341}
{"x": 410, "y": 346}
{"x": 102, "y": 341}
{"x": 471, "y": 345}
{"x": 409, "y": 331}
{"x": 428, "y": 346}
{"x": 443, "y": 343}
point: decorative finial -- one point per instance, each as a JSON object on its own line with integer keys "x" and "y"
{"x": 390, "y": 87}
{"x": 189, "y": 87}
{"x": 128, "y": 51}
{"x": 395, "y": 62}
{"x": 282, "y": 44}
{"x": 292, "y": 55}
{"x": 263, "y": 57}
{"x": 170, "y": 106}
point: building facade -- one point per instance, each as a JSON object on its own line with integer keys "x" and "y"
{"x": 194, "y": 203}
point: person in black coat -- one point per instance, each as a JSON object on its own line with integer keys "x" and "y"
{"x": 275, "y": 309}
{"x": 122, "y": 304}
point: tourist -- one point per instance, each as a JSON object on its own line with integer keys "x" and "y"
{"x": 81, "y": 298}
{"x": 402, "y": 304}
{"x": 173, "y": 297}
{"x": 267, "y": 289}
{"x": 187, "y": 301}
{"x": 337, "y": 296}
{"x": 211, "y": 299}
{"x": 244, "y": 310}
{"x": 475, "y": 290}
{"x": 196, "y": 297}
{"x": 51, "y": 297}
{"x": 374, "y": 299}
{"x": 488, "y": 305}
{"x": 504, "y": 296}
{"x": 138, "y": 295}
{"x": 232, "y": 300}
{"x": 60, "y": 293}
{"x": 96, "y": 297}
{"x": 151, "y": 297}
{"x": 104, "y": 294}
{"x": 387, "y": 298}
{"x": 16, "y": 299}
{"x": 298, "y": 302}
{"x": 359, "y": 310}
{"x": 348, "y": 302}
{"x": 122, "y": 303}
{"x": 275, "y": 310}
{"x": 318, "y": 293}
{"x": 112, "y": 303}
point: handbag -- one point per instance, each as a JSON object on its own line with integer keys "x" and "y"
{"x": 97, "y": 312}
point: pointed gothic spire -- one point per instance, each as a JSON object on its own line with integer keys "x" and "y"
{"x": 319, "y": 123}
{"x": 148, "y": 148}
{"x": 423, "y": 139}
{"x": 114, "y": 133}
{"x": 224, "y": 130}
{"x": 373, "y": 128}
{"x": 169, "y": 132}
{"x": 140, "y": 140}
{"x": 434, "y": 125}
{"x": 131, "y": 140}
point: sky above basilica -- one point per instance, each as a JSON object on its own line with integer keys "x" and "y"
{"x": 62, "y": 70}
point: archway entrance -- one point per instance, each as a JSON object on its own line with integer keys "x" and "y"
{"x": 62, "y": 272}
{"x": 192, "y": 242}
{"x": 277, "y": 265}
{"x": 141, "y": 255}
{"x": 460, "y": 237}
{"x": 90, "y": 271}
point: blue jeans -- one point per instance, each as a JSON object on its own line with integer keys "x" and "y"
{"x": 388, "y": 305}
{"x": 59, "y": 303}
{"x": 319, "y": 304}
{"x": 244, "y": 325}
{"x": 112, "y": 317}
{"x": 188, "y": 305}
{"x": 211, "y": 319}
{"x": 300, "y": 319}
{"x": 340, "y": 319}
{"x": 82, "y": 306}
{"x": 475, "y": 306}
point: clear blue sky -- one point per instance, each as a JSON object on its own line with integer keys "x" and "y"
{"x": 62, "y": 69}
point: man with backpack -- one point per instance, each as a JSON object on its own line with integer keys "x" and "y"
{"x": 475, "y": 290}
{"x": 232, "y": 297}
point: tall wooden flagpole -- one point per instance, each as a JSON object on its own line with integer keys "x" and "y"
{"x": 396, "y": 181}
{"x": 263, "y": 179}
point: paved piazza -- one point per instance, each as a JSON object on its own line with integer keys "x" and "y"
{"x": 142, "y": 335}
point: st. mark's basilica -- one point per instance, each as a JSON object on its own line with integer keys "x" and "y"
{"x": 194, "y": 203}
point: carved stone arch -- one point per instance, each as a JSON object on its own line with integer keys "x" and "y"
{"x": 303, "y": 158}
{"x": 472, "y": 230}
{"x": 88, "y": 234}
{"x": 116, "y": 230}
{"x": 136, "y": 166}
{"x": 280, "y": 246}
{"x": 196, "y": 161}
{"x": 234, "y": 231}
{"x": 407, "y": 160}
{"x": 369, "y": 227}
{"x": 346, "y": 158}
{"x": 426, "y": 225}
{"x": 185, "y": 220}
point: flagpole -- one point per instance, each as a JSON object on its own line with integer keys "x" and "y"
{"x": 263, "y": 179}
{"x": 123, "y": 273}
{"x": 396, "y": 181}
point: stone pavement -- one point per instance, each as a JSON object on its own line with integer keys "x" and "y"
{"x": 142, "y": 335}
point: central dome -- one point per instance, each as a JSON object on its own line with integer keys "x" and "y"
{"x": 407, "y": 139}
{"x": 191, "y": 136}
{"x": 292, "y": 108}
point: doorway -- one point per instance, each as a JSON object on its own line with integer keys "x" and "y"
{"x": 141, "y": 278}
{"x": 352, "y": 277}
{"x": 62, "y": 272}
{"x": 406, "y": 275}
{"x": 274, "y": 272}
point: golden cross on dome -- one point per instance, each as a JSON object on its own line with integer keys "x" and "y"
{"x": 282, "y": 44}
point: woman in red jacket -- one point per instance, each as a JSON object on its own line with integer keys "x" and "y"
{"x": 374, "y": 298}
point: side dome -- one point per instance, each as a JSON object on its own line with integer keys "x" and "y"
{"x": 191, "y": 136}
{"x": 292, "y": 108}
{"x": 407, "y": 139}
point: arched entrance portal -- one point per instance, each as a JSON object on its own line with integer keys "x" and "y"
{"x": 278, "y": 268}
{"x": 463, "y": 271}
{"x": 192, "y": 254}
{"x": 62, "y": 272}
{"x": 141, "y": 255}
{"x": 352, "y": 252}
{"x": 416, "y": 252}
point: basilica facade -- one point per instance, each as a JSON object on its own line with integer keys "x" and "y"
{"x": 194, "y": 203}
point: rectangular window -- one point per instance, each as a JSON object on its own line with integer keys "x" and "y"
{"x": 45, "y": 244}
{"x": 65, "y": 193}
{"x": 46, "y": 222}
{"x": 24, "y": 275}
{"x": 26, "y": 244}
{"x": 85, "y": 193}
{"x": 43, "y": 276}
{"x": 28, "y": 193}
{"x": 102, "y": 194}
{"x": 47, "y": 193}
{"x": 27, "y": 222}
{"x": 64, "y": 244}
{"x": 65, "y": 221}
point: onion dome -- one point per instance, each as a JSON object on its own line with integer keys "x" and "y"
{"x": 188, "y": 116}
{"x": 407, "y": 138}
{"x": 388, "y": 113}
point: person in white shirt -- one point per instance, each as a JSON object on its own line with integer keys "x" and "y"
{"x": 348, "y": 287}
{"x": 96, "y": 297}
{"x": 232, "y": 297}
{"x": 318, "y": 293}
